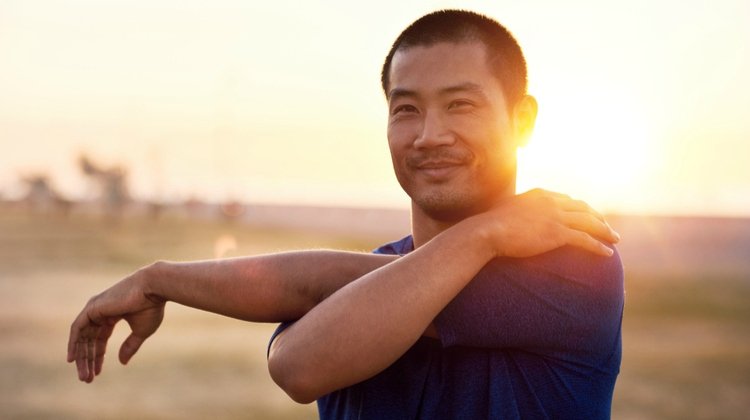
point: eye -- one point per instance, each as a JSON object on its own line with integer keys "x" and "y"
{"x": 404, "y": 109}
{"x": 460, "y": 104}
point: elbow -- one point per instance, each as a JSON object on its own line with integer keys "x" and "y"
{"x": 295, "y": 382}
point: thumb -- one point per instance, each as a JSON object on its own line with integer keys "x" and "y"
{"x": 129, "y": 347}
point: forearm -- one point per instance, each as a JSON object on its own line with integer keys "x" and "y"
{"x": 273, "y": 287}
{"x": 368, "y": 324}
{"x": 264, "y": 288}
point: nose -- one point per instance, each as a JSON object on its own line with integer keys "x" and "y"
{"x": 434, "y": 132}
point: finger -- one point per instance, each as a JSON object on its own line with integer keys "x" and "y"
{"x": 129, "y": 347}
{"x": 101, "y": 347}
{"x": 588, "y": 223}
{"x": 79, "y": 347}
{"x": 81, "y": 359}
{"x": 75, "y": 333}
{"x": 72, "y": 338}
{"x": 552, "y": 194}
{"x": 90, "y": 356}
{"x": 581, "y": 206}
{"x": 587, "y": 242}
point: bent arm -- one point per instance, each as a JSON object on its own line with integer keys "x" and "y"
{"x": 366, "y": 325}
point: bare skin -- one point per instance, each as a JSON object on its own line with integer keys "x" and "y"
{"x": 264, "y": 288}
{"x": 452, "y": 139}
{"x": 286, "y": 286}
{"x": 366, "y": 325}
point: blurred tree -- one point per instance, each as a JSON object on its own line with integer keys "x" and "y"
{"x": 41, "y": 196}
{"x": 111, "y": 184}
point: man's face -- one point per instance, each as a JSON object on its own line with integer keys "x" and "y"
{"x": 449, "y": 130}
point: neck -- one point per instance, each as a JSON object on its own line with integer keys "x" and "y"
{"x": 425, "y": 226}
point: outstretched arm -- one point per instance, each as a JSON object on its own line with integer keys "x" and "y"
{"x": 286, "y": 286}
{"x": 366, "y": 325}
{"x": 265, "y": 288}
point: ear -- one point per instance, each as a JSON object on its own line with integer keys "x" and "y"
{"x": 524, "y": 118}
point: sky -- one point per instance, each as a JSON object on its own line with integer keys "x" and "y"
{"x": 643, "y": 104}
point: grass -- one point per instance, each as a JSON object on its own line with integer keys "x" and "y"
{"x": 686, "y": 340}
{"x": 686, "y": 349}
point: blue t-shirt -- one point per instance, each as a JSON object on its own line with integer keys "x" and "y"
{"x": 527, "y": 338}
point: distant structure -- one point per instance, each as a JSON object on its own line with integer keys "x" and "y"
{"x": 232, "y": 210}
{"x": 111, "y": 184}
{"x": 42, "y": 197}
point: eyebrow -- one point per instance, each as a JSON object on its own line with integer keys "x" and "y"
{"x": 463, "y": 87}
{"x": 396, "y": 93}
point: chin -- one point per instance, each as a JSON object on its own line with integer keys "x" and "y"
{"x": 451, "y": 208}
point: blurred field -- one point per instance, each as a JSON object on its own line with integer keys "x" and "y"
{"x": 686, "y": 337}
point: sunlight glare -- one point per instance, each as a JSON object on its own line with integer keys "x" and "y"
{"x": 591, "y": 143}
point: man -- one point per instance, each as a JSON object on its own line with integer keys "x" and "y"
{"x": 485, "y": 311}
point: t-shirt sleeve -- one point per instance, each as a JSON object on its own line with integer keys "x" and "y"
{"x": 566, "y": 300}
{"x": 399, "y": 247}
{"x": 279, "y": 330}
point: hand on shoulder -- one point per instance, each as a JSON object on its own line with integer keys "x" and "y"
{"x": 539, "y": 221}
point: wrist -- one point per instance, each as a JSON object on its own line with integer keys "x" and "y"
{"x": 149, "y": 279}
{"x": 482, "y": 231}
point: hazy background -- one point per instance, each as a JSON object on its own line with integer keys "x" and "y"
{"x": 234, "y": 128}
{"x": 643, "y": 104}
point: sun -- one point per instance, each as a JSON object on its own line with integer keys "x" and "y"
{"x": 590, "y": 143}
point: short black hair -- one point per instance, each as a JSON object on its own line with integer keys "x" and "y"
{"x": 504, "y": 55}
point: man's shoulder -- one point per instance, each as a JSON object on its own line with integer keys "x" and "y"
{"x": 565, "y": 263}
{"x": 569, "y": 278}
{"x": 559, "y": 303}
{"x": 570, "y": 261}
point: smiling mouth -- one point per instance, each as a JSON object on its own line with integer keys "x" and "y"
{"x": 438, "y": 170}
{"x": 439, "y": 164}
